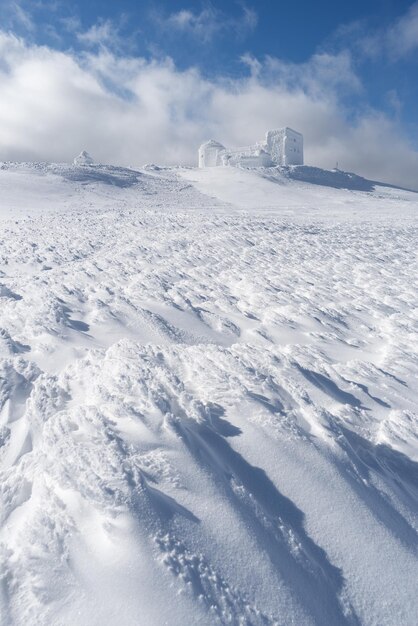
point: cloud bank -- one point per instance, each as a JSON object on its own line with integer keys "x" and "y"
{"x": 130, "y": 111}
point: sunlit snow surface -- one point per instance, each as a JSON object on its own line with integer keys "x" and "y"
{"x": 208, "y": 388}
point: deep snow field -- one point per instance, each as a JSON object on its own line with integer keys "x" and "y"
{"x": 208, "y": 391}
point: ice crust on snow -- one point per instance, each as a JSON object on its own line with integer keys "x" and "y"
{"x": 207, "y": 397}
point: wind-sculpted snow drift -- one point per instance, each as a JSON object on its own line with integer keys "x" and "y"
{"x": 207, "y": 399}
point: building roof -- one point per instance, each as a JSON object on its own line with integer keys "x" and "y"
{"x": 212, "y": 143}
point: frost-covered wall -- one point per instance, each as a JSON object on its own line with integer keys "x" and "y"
{"x": 285, "y": 146}
{"x": 253, "y": 156}
{"x": 280, "y": 147}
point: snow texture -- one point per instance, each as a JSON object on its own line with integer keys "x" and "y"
{"x": 207, "y": 397}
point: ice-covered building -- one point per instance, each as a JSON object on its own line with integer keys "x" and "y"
{"x": 210, "y": 154}
{"x": 285, "y": 146}
{"x": 280, "y": 147}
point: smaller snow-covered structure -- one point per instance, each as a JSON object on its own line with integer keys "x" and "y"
{"x": 283, "y": 146}
{"x": 83, "y": 159}
{"x": 210, "y": 154}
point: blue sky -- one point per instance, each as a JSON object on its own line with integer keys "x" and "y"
{"x": 355, "y": 62}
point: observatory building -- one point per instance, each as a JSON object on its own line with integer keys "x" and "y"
{"x": 280, "y": 147}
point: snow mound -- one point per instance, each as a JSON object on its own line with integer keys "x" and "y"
{"x": 31, "y": 189}
{"x": 83, "y": 159}
{"x": 107, "y": 174}
{"x": 330, "y": 178}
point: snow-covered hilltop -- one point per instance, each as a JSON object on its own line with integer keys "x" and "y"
{"x": 207, "y": 397}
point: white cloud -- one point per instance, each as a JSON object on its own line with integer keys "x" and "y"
{"x": 402, "y": 37}
{"x": 28, "y": 16}
{"x": 207, "y": 23}
{"x": 130, "y": 111}
{"x": 104, "y": 33}
{"x": 101, "y": 33}
{"x": 323, "y": 70}
{"x": 14, "y": 15}
{"x": 393, "y": 42}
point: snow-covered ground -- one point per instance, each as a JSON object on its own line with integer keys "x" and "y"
{"x": 208, "y": 389}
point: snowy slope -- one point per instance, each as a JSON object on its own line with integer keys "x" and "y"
{"x": 207, "y": 399}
